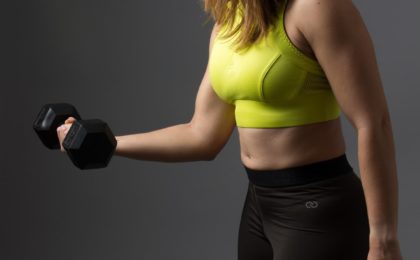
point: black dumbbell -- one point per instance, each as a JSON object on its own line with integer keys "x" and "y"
{"x": 90, "y": 144}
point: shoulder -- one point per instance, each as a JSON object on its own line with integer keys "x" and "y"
{"x": 330, "y": 17}
{"x": 325, "y": 7}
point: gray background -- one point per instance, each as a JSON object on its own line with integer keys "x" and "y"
{"x": 138, "y": 65}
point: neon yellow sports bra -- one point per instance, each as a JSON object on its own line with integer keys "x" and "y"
{"x": 272, "y": 84}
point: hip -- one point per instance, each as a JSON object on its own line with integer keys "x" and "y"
{"x": 320, "y": 197}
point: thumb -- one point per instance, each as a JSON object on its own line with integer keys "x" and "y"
{"x": 70, "y": 120}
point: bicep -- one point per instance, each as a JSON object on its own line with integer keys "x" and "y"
{"x": 213, "y": 118}
{"x": 345, "y": 51}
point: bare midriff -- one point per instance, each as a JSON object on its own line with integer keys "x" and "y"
{"x": 277, "y": 148}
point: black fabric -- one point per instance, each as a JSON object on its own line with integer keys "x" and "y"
{"x": 320, "y": 219}
{"x": 300, "y": 174}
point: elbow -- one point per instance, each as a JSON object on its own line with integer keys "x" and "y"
{"x": 209, "y": 158}
{"x": 210, "y": 155}
{"x": 210, "y": 143}
{"x": 211, "y": 149}
{"x": 380, "y": 124}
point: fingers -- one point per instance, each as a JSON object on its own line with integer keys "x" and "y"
{"x": 62, "y": 131}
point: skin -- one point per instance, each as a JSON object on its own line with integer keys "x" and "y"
{"x": 334, "y": 34}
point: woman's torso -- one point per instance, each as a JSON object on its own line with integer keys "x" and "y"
{"x": 276, "y": 148}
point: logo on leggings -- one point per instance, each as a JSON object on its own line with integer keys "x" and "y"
{"x": 311, "y": 204}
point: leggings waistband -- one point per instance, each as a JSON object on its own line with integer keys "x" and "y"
{"x": 300, "y": 174}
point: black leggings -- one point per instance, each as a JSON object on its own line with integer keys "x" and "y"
{"x": 311, "y": 212}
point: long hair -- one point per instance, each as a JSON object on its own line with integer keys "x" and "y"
{"x": 257, "y": 18}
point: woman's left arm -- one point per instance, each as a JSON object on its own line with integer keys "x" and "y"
{"x": 343, "y": 47}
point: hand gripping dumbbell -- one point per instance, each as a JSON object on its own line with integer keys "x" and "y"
{"x": 90, "y": 144}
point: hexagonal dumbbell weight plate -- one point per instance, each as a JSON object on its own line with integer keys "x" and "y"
{"x": 90, "y": 144}
{"x": 49, "y": 118}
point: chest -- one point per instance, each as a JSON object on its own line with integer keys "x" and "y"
{"x": 262, "y": 73}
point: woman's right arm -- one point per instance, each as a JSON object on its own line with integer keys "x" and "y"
{"x": 200, "y": 139}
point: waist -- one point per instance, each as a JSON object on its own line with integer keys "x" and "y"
{"x": 300, "y": 174}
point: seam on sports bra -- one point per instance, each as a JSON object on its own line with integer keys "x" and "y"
{"x": 264, "y": 74}
{"x": 289, "y": 42}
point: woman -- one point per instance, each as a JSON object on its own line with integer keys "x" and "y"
{"x": 281, "y": 72}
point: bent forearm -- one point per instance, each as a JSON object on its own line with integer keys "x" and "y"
{"x": 178, "y": 143}
{"x": 378, "y": 172}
